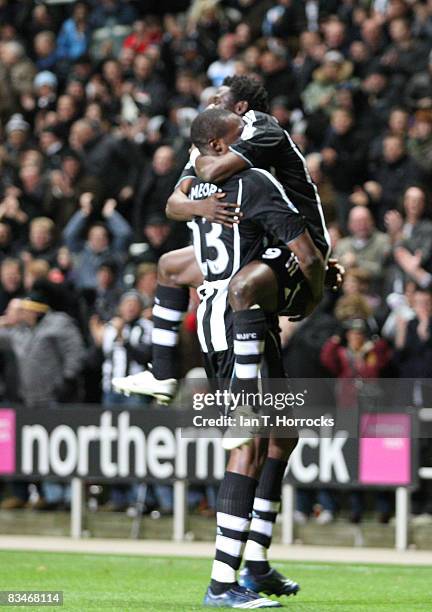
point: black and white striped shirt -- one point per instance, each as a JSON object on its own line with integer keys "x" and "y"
{"x": 267, "y": 214}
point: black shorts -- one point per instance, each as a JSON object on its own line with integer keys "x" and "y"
{"x": 219, "y": 365}
{"x": 294, "y": 291}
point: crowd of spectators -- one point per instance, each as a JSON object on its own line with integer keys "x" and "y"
{"x": 96, "y": 100}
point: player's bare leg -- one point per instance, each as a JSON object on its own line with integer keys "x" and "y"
{"x": 177, "y": 271}
{"x": 254, "y": 284}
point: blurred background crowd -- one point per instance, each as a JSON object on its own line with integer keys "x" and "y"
{"x": 96, "y": 101}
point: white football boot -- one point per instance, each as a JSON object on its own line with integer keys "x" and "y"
{"x": 145, "y": 383}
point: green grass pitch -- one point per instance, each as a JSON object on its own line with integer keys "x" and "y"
{"x": 122, "y": 583}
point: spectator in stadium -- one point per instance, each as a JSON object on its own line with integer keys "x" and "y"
{"x": 378, "y": 95}
{"x": 17, "y": 132}
{"x": 335, "y": 34}
{"x": 45, "y": 92}
{"x": 112, "y": 12}
{"x": 45, "y": 50}
{"x": 111, "y": 160}
{"x": 7, "y": 248}
{"x": 397, "y": 125}
{"x": 324, "y": 186}
{"x": 420, "y": 141}
{"x": 32, "y": 185}
{"x": 400, "y": 307}
{"x": 149, "y": 89}
{"x": 49, "y": 352}
{"x": 125, "y": 343}
{"x": 357, "y": 356}
{"x": 107, "y": 291}
{"x": 278, "y": 77}
{"x": 310, "y": 54}
{"x": 365, "y": 247}
{"x": 155, "y": 187}
{"x": 392, "y": 174}
{"x": 98, "y": 246}
{"x": 11, "y": 282}
{"x": 344, "y": 157}
{"x": 51, "y": 146}
{"x": 16, "y": 76}
{"x": 73, "y": 38}
{"x": 354, "y": 306}
{"x": 66, "y": 186}
{"x": 405, "y": 55}
{"x": 357, "y": 281}
{"x": 146, "y": 32}
{"x": 319, "y": 94}
{"x": 160, "y": 237}
{"x": 412, "y": 240}
{"x": 66, "y": 112}
{"x": 224, "y": 66}
{"x": 418, "y": 92}
{"x": 373, "y": 37}
{"x": 413, "y": 339}
{"x": 145, "y": 283}
{"x": 41, "y": 243}
{"x": 39, "y": 20}
{"x": 34, "y": 270}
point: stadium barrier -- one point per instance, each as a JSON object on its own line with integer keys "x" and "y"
{"x": 89, "y": 443}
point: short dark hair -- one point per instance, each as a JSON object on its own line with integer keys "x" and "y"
{"x": 211, "y": 123}
{"x": 250, "y": 90}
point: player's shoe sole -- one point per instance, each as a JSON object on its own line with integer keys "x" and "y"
{"x": 145, "y": 383}
{"x": 239, "y": 598}
{"x": 272, "y": 583}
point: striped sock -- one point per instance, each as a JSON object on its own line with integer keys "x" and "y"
{"x": 234, "y": 507}
{"x": 249, "y": 330}
{"x": 266, "y": 506}
{"x": 171, "y": 304}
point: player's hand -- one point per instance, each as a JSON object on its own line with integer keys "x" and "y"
{"x": 334, "y": 276}
{"x": 216, "y": 211}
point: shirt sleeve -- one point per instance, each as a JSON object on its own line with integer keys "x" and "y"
{"x": 259, "y": 139}
{"x": 265, "y": 203}
{"x": 188, "y": 172}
